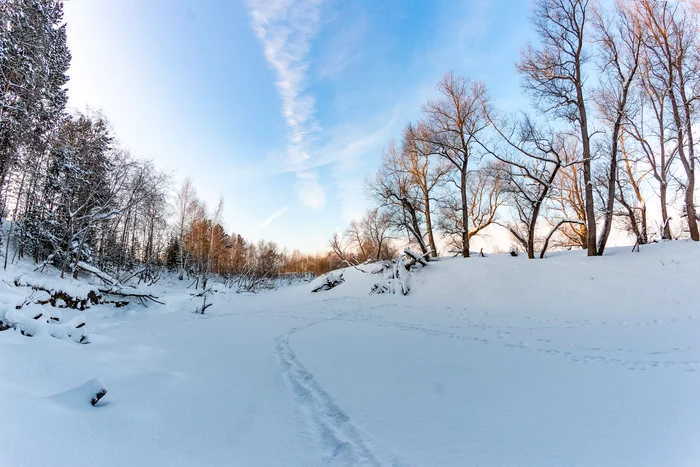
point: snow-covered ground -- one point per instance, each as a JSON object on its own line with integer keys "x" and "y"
{"x": 570, "y": 361}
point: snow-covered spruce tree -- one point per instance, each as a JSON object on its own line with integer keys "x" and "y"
{"x": 76, "y": 191}
{"x": 34, "y": 59}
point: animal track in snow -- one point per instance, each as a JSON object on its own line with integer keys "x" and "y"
{"x": 505, "y": 338}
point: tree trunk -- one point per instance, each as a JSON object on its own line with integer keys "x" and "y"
{"x": 414, "y": 228}
{"x": 67, "y": 253}
{"x": 688, "y": 166}
{"x": 77, "y": 254}
{"x": 687, "y": 160}
{"x": 418, "y": 234}
{"x": 592, "y": 235}
{"x": 690, "y": 170}
{"x": 14, "y": 220}
{"x": 666, "y": 229}
{"x": 429, "y": 226}
{"x": 690, "y": 209}
{"x": 531, "y": 239}
{"x": 465, "y": 212}
{"x": 612, "y": 180}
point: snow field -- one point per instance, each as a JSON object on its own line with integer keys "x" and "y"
{"x": 488, "y": 361}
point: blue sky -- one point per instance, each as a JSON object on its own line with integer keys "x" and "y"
{"x": 281, "y": 106}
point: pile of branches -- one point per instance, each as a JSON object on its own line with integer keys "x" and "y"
{"x": 329, "y": 281}
{"x": 114, "y": 287}
{"x": 113, "y": 293}
{"x": 58, "y": 298}
{"x": 203, "y": 294}
{"x": 397, "y": 273}
{"x": 253, "y": 280}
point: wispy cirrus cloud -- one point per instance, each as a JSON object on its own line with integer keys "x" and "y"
{"x": 286, "y": 28}
{"x": 271, "y": 218}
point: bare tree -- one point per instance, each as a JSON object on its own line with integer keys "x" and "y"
{"x": 358, "y": 242}
{"x": 635, "y": 210}
{"x": 398, "y": 195}
{"x": 367, "y": 239}
{"x": 485, "y": 195}
{"x": 425, "y": 173}
{"x": 529, "y": 162}
{"x": 567, "y": 200}
{"x": 553, "y": 75}
{"x": 620, "y": 43}
{"x": 651, "y": 134}
{"x": 340, "y": 249}
{"x": 377, "y": 230}
{"x": 452, "y": 123}
{"x": 672, "y": 47}
{"x": 213, "y": 237}
{"x": 186, "y": 204}
{"x": 405, "y": 183}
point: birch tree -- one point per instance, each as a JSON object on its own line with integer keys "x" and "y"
{"x": 185, "y": 206}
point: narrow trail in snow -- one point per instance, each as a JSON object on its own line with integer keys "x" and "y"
{"x": 341, "y": 441}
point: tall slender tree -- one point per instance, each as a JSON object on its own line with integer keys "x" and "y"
{"x": 553, "y": 74}
{"x": 619, "y": 37}
{"x": 672, "y": 45}
{"x": 453, "y": 122}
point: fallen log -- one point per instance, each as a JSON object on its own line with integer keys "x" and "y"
{"x": 98, "y": 395}
{"x": 144, "y": 298}
{"x": 103, "y": 276}
{"x": 91, "y": 391}
{"x": 61, "y": 299}
{"x": 56, "y": 297}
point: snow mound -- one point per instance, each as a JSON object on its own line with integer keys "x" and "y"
{"x": 40, "y": 321}
{"x": 81, "y": 397}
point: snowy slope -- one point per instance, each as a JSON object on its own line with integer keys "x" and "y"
{"x": 488, "y": 361}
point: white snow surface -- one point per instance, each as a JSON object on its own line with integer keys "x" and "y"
{"x": 497, "y": 361}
